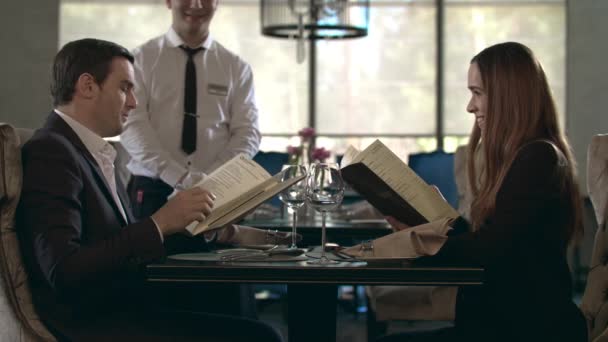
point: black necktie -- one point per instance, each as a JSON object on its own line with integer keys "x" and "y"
{"x": 189, "y": 127}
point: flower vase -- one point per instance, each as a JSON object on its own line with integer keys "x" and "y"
{"x": 305, "y": 153}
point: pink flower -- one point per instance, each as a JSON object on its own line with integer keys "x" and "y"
{"x": 320, "y": 154}
{"x": 294, "y": 150}
{"x": 307, "y": 132}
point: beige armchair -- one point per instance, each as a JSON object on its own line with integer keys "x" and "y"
{"x": 595, "y": 302}
{"x": 18, "y": 319}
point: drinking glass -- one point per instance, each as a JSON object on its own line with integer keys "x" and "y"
{"x": 324, "y": 192}
{"x": 294, "y": 196}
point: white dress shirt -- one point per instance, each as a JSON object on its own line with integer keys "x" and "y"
{"x": 103, "y": 153}
{"x": 227, "y": 114}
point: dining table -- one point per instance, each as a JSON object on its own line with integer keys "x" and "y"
{"x": 345, "y": 232}
{"x": 312, "y": 288}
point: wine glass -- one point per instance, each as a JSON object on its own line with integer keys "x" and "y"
{"x": 294, "y": 196}
{"x": 324, "y": 192}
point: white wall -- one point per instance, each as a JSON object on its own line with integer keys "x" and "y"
{"x": 28, "y": 36}
{"x": 587, "y": 76}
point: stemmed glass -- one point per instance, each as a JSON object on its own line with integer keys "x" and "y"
{"x": 324, "y": 192}
{"x": 294, "y": 196}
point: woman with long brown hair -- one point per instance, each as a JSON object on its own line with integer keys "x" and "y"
{"x": 525, "y": 213}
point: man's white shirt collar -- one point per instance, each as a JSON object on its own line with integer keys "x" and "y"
{"x": 103, "y": 153}
{"x": 93, "y": 142}
{"x": 175, "y": 40}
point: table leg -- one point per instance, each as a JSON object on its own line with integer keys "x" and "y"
{"x": 311, "y": 312}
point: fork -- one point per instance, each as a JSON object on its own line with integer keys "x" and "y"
{"x": 342, "y": 255}
{"x": 247, "y": 253}
{"x": 264, "y": 254}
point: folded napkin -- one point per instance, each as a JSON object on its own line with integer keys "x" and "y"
{"x": 264, "y": 211}
{"x": 410, "y": 302}
{"x": 244, "y": 255}
{"x": 357, "y": 211}
{"x": 413, "y": 303}
{"x": 242, "y": 235}
{"x": 425, "y": 239}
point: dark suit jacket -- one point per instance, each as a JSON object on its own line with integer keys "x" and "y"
{"x": 83, "y": 258}
{"x": 527, "y": 294}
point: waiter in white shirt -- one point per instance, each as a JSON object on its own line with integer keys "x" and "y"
{"x": 196, "y": 108}
{"x": 196, "y": 111}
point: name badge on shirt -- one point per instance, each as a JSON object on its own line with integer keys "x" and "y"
{"x": 217, "y": 89}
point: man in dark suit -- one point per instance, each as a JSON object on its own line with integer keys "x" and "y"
{"x": 83, "y": 249}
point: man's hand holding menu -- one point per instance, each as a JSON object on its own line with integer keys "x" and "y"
{"x": 239, "y": 186}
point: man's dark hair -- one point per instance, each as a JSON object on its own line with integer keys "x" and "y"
{"x": 92, "y": 56}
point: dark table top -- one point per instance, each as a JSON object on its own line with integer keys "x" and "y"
{"x": 354, "y": 224}
{"x": 344, "y": 232}
{"x": 312, "y": 287}
{"x": 389, "y": 273}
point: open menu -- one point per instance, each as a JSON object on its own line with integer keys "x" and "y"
{"x": 240, "y": 185}
{"x": 392, "y": 187}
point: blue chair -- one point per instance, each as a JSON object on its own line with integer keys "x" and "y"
{"x": 437, "y": 168}
{"x": 272, "y": 162}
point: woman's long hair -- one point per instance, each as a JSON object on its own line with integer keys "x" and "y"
{"x": 520, "y": 109}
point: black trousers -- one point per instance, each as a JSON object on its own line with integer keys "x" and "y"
{"x": 159, "y": 326}
{"x": 569, "y": 331}
{"x": 450, "y": 334}
{"x": 147, "y": 195}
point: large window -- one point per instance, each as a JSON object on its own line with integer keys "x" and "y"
{"x": 383, "y": 85}
{"x": 471, "y": 26}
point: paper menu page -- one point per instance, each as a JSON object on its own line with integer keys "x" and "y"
{"x": 243, "y": 205}
{"x": 403, "y": 180}
{"x": 235, "y": 177}
{"x": 348, "y": 157}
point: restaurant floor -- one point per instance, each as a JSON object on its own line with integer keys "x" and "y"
{"x": 351, "y": 322}
{"x": 351, "y": 318}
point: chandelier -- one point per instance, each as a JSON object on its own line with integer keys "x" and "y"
{"x": 314, "y": 19}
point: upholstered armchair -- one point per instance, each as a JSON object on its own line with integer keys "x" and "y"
{"x": 18, "y": 319}
{"x": 595, "y": 301}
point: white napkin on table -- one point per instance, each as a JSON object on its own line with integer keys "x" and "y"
{"x": 243, "y": 235}
{"x": 410, "y": 302}
{"x": 425, "y": 239}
